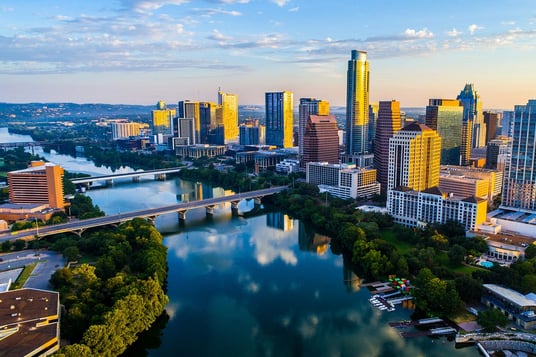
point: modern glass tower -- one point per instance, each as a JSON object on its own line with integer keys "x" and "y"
{"x": 472, "y": 112}
{"x": 279, "y": 119}
{"x": 229, "y": 116}
{"x": 162, "y": 118}
{"x": 357, "y": 103}
{"x": 519, "y": 190}
{"x": 446, "y": 117}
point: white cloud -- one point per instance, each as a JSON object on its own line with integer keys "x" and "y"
{"x": 454, "y": 32}
{"x": 280, "y": 3}
{"x": 508, "y": 23}
{"x": 473, "y": 27}
{"x": 294, "y": 9}
{"x": 424, "y": 33}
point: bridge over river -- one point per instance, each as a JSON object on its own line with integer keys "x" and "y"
{"x": 79, "y": 226}
{"x": 158, "y": 173}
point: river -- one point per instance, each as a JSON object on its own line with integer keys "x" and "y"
{"x": 261, "y": 286}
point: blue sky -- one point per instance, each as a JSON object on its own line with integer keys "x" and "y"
{"x": 141, "y": 51}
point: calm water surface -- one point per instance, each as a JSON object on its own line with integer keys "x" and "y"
{"x": 262, "y": 286}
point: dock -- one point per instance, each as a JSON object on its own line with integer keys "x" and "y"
{"x": 381, "y": 304}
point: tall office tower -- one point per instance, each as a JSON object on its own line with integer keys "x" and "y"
{"x": 190, "y": 109}
{"x": 321, "y": 140}
{"x": 373, "y": 118}
{"x": 498, "y": 153}
{"x": 388, "y": 123}
{"x": 519, "y": 190}
{"x": 229, "y": 116}
{"x": 207, "y": 121}
{"x": 357, "y": 103}
{"x": 472, "y": 111}
{"x": 309, "y": 106}
{"x": 279, "y": 119}
{"x": 445, "y": 116}
{"x": 40, "y": 183}
{"x": 184, "y": 128}
{"x": 162, "y": 118}
{"x": 507, "y": 122}
{"x": 492, "y": 123}
{"x": 414, "y": 158}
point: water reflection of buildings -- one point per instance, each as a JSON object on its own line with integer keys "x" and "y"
{"x": 202, "y": 191}
{"x": 279, "y": 220}
{"x": 311, "y": 241}
{"x": 351, "y": 280}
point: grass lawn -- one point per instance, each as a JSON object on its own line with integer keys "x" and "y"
{"x": 389, "y": 236}
{"x": 465, "y": 269}
{"x": 24, "y": 275}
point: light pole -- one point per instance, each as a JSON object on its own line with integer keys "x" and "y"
{"x": 36, "y": 228}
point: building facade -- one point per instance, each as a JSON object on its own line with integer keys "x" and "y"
{"x": 309, "y": 106}
{"x": 321, "y": 141}
{"x": 126, "y": 130}
{"x": 229, "y": 116}
{"x": 491, "y": 120}
{"x": 40, "y": 183}
{"x": 162, "y": 119}
{"x": 357, "y": 103}
{"x": 251, "y": 133}
{"x": 472, "y": 113}
{"x": 190, "y": 109}
{"x": 387, "y": 124}
{"x": 519, "y": 191}
{"x": 446, "y": 117}
{"x": 279, "y": 119}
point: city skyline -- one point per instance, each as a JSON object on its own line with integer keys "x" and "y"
{"x": 139, "y": 52}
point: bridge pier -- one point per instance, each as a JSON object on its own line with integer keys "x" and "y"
{"x": 257, "y": 202}
{"x": 136, "y": 179}
{"x": 234, "y": 208}
{"x": 210, "y": 210}
{"x": 160, "y": 177}
{"x": 182, "y": 215}
{"x": 109, "y": 182}
{"x": 151, "y": 219}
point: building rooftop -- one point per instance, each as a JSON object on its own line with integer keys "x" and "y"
{"x": 416, "y": 127}
{"x": 511, "y": 295}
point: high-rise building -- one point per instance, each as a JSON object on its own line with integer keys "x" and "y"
{"x": 472, "y": 112}
{"x": 492, "y": 123}
{"x": 190, "y": 109}
{"x": 184, "y": 128}
{"x": 498, "y": 153}
{"x": 373, "y": 118}
{"x": 279, "y": 119}
{"x": 414, "y": 158}
{"x": 413, "y": 196}
{"x": 251, "y": 133}
{"x": 162, "y": 119}
{"x": 519, "y": 190}
{"x": 387, "y": 124}
{"x": 229, "y": 116}
{"x": 40, "y": 183}
{"x": 321, "y": 140}
{"x": 446, "y": 117}
{"x": 357, "y": 103}
{"x": 309, "y": 106}
{"x": 207, "y": 121}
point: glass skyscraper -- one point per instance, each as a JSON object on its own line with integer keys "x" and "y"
{"x": 309, "y": 106}
{"x": 472, "y": 112}
{"x": 519, "y": 191}
{"x": 279, "y": 119}
{"x": 357, "y": 103}
{"x": 446, "y": 117}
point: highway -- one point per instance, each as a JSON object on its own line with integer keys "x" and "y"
{"x": 81, "y": 225}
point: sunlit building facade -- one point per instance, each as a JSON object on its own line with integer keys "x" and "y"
{"x": 321, "y": 141}
{"x": 357, "y": 103}
{"x": 279, "y": 119}
{"x": 309, "y": 106}
{"x": 229, "y": 116}
{"x": 162, "y": 118}
{"x": 190, "y": 109}
{"x": 446, "y": 117}
{"x": 472, "y": 112}
{"x": 387, "y": 124}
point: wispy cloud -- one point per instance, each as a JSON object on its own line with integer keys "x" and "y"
{"x": 424, "y": 33}
{"x": 473, "y": 27}
{"x": 210, "y": 12}
{"x": 280, "y": 3}
{"x": 294, "y": 9}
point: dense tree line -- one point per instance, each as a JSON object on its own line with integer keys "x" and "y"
{"x": 110, "y": 301}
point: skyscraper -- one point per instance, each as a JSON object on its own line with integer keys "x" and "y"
{"x": 519, "y": 190}
{"x": 162, "y": 118}
{"x": 387, "y": 124}
{"x": 446, "y": 117}
{"x": 357, "y": 103}
{"x": 309, "y": 106}
{"x": 492, "y": 123}
{"x": 321, "y": 140}
{"x": 207, "y": 122}
{"x": 229, "y": 116}
{"x": 373, "y": 118}
{"x": 190, "y": 109}
{"x": 279, "y": 119}
{"x": 472, "y": 112}
{"x": 414, "y": 158}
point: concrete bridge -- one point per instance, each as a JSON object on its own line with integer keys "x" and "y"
{"x": 159, "y": 174}
{"x": 79, "y": 226}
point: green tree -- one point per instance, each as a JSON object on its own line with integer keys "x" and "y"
{"x": 71, "y": 253}
{"x": 7, "y": 245}
{"x": 530, "y": 251}
{"x": 456, "y": 254}
{"x": 491, "y": 319}
{"x": 19, "y": 244}
{"x": 469, "y": 289}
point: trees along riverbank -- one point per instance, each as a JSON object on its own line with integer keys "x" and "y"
{"x": 116, "y": 296}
